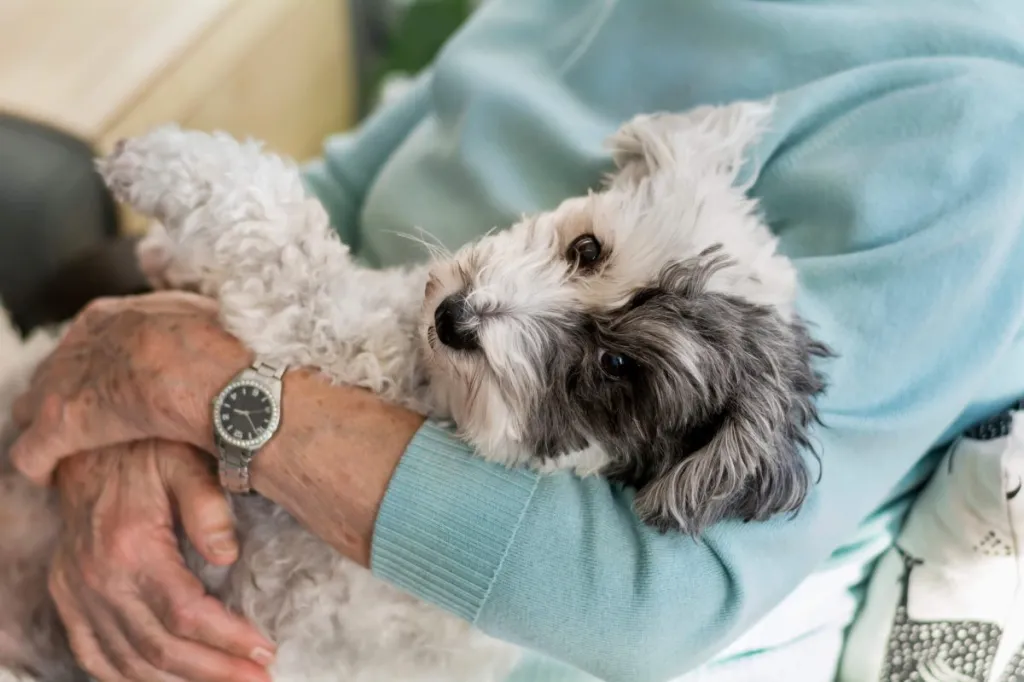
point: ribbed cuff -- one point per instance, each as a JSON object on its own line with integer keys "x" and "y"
{"x": 447, "y": 521}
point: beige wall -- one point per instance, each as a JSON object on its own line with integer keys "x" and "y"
{"x": 279, "y": 70}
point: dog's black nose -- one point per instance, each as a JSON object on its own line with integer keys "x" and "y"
{"x": 451, "y": 321}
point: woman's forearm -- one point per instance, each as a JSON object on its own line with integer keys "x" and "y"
{"x": 331, "y": 461}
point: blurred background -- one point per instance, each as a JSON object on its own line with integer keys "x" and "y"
{"x": 77, "y": 75}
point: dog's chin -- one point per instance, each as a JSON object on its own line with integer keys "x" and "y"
{"x": 433, "y": 354}
{"x": 429, "y": 344}
{"x": 438, "y": 365}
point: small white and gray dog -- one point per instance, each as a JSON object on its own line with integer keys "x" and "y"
{"x": 644, "y": 332}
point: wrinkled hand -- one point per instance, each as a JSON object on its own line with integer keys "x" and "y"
{"x": 127, "y": 369}
{"x": 132, "y": 610}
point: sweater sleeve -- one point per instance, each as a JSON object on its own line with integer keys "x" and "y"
{"x": 897, "y": 191}
{"x": 351, "y": 161}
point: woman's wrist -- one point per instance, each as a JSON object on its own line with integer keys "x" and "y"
{"x": 217, "y": 358}
{"x": 331, "y": 460}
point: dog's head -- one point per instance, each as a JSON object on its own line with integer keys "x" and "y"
{"x": 644, "y": 332}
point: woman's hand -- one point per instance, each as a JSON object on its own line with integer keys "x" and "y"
{"x": 132, "y": 609}
{"x": 148, "y": 368}
{"x": 128, "y": 369}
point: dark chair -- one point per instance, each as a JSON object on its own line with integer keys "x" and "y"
{"x": 59, "y": 239}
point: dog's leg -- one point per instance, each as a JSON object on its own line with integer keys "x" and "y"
{"x": 224, "y": 208}
{"x": 170, "y": 173}
{"x": 240, "y": 223}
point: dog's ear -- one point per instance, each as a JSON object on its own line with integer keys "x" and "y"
{"x": 746, "y": 458}
{"x": 708, "y": 140}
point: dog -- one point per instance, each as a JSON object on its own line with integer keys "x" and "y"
{"x": 645, "y": 332}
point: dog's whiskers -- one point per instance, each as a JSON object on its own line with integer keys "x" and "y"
{"x": 433, "y": 246}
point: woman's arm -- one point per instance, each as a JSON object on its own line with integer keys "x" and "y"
{"x": 899, "y": 197}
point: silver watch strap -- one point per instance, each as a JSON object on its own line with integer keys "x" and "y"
{"x": 268, "y": 370}
{"x": 233, "y": 465}
{"x": 234, "y": 469}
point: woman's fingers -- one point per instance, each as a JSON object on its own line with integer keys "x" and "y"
{"x": 63, "y": 427}
{"x": 58, "y": 366}
{"x": 120, "y": 638}
{"x": 208, "y": 522}
{"x": 39, "y": 449}
{"x": 200, "y": 501}
{"x": 177, "y": 654}
{"x": 176, "y": 596}
{"x": 23, "y": 410}
{"x": 84, "y": 644}
{"x": 181, "y": 605}
{"x": 135, "y": 610}
{"x": 129, "y": 662}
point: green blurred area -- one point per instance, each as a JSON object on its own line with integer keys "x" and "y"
{"x": 407, "y": 36}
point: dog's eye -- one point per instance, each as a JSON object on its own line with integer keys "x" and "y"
{"x": 584, "y": 251}
{"x": 615, "y": 365}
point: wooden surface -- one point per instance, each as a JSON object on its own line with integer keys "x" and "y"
{"x": 79, "y": 64}
{"x": 277, "y": 70}
{"x": 280, "y": 70}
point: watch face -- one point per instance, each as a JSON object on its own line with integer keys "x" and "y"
{"x": 245, "y": 414}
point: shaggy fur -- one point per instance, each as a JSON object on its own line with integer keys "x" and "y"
{"x": 644, "y": 332}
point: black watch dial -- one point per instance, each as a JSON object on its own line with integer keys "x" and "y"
{"x": 246, "y": 412}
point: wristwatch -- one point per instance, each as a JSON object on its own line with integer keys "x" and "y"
{"x": 246, "y": 415}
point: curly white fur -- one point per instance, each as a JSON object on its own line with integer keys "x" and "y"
{"x": 236, "y": 224}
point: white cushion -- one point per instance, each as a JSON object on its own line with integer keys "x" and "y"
{"x": 945, "y": 604}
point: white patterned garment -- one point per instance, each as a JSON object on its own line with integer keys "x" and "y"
{"x": 946, "y": 604}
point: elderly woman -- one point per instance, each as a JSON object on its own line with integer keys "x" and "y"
{"x": 893, "y": 177}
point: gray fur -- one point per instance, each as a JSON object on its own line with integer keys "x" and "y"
{"x": 702, "y": 437}
{"x": 33, "y": 644}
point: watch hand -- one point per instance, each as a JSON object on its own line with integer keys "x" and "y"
{"x": 251, "y": 423}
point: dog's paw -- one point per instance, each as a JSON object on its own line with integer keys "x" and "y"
{"x": 169, "y": 174}
{"x": 158, "y": 174}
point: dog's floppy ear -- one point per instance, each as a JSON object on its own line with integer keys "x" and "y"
{"x": 745, "y": 458}
{"x": 706, "y": 140}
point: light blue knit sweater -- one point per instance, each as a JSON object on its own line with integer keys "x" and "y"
{"x": 894, "y": 175}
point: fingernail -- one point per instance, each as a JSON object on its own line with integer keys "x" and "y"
{"x": 262, "y": 656}
{"x": 223, "y": 544}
